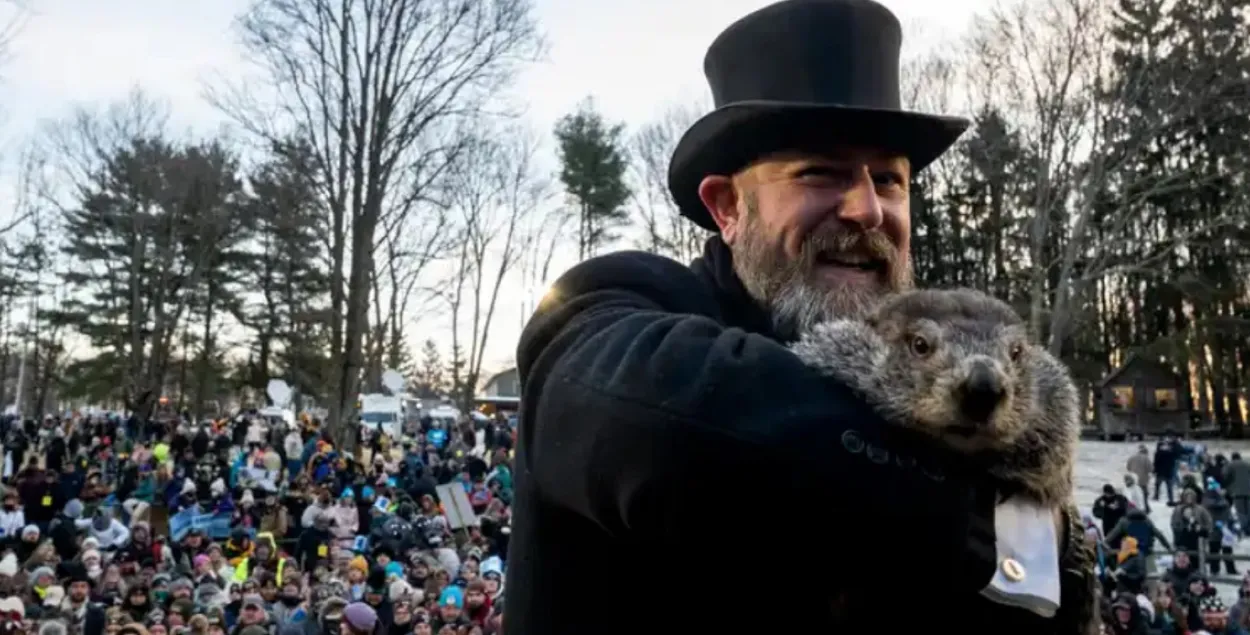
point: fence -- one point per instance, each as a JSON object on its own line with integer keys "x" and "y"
{"x": 1203, "y": 557}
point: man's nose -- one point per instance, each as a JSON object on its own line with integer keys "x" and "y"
{"x": 861, "y": 205}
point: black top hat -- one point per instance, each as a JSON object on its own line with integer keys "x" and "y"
{"x": 797, "y": 75}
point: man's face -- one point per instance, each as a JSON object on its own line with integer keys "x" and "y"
{"x": 816, "y": 237}
{"x": 78, "y": 591}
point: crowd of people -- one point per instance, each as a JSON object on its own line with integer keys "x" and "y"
{"x": 252, "y": 526}
{"x": 1160, "y": 584}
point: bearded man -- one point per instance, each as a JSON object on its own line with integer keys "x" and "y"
{"x": 677, "y": 469}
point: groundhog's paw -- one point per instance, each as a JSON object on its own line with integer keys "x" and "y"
{"x": 841, "y": 348}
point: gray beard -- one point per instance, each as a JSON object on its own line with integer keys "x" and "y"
{"x": 787, "y": 288}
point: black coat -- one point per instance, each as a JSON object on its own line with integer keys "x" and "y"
{"x": 672, "y": 455}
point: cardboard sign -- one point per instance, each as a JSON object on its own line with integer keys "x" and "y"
{"x": 456, "y": 507}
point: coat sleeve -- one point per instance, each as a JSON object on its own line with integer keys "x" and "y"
{"x": 645, "y": 416}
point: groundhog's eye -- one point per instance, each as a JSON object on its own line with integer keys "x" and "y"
{"x": 1016, "y": 351}
{"x": 920, "y": 346}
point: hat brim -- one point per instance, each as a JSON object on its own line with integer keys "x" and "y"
{"x": 732, "y": 136}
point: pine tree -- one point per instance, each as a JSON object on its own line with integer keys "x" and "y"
{"x": 593, "y": 163}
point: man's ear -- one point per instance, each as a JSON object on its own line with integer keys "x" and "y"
{"x": 721, "y": 200}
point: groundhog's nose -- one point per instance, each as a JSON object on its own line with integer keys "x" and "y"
{"x": 981, "y": 393}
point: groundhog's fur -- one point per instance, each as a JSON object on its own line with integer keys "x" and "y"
{"x": 912, "y": 359}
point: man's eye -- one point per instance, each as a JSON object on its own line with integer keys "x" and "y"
{"x": 822, "y": 174}
{"x": 888, "y": 179}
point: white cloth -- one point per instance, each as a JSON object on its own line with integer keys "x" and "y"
{"x": 1026, "y": 533}
{"x": 12, "y": 523}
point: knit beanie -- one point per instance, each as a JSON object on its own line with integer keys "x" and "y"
{"x": 360, "y": 617}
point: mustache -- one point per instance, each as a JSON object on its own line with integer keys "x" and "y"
{"x": 872, "y": 244}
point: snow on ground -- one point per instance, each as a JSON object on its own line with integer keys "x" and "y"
{"x": 1102, "y": 462}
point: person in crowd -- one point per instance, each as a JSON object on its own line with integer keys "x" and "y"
{"x": 1132, "y": 493}
{"x": 1224, "y": 529}
{"x": 1139, "y": 465}
{"x": 1130, "y": 571}
{"x": 1191, "y": 523}
{"x": 1237, "y": 479}
{"x": 1167, "y": 453}
{"x": 1183, "y": 570}
{"x": 1110, "y": 507}
{"x": 137, "y": 565}
{"x": 1137, "y": 524}
{"x": 640, "y": 372}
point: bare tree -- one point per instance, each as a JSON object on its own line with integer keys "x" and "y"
{"x": 666, "y": 230}
{"x": 496, "y": 195}
{"x": 1047, "y": 64}
{"x": 13, "y": 15}
{"x": 381, "y": 89}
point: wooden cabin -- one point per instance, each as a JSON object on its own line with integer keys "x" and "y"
{"x": 1142, "y": 398}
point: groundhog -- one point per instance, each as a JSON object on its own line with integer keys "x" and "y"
{"x": 958, "y": 364}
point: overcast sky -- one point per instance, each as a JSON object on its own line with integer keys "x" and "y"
{"x": 636, "y": 58}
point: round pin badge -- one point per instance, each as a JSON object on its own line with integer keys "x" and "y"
{"x": 1013, "y": 570}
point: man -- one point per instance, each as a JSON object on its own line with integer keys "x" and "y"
{"x": 1167, "y": 453}
{"x": 664, "y": 425}
{"x": 1110, "y": 507}
{"x": 1237, "y": 476}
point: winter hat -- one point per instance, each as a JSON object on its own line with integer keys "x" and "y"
{"x": 208, "y": 594}
{"x": 200, "y": 559}
{"x": 217, "y": 488}
{"x": 492, "y": 566}
{"x": 155, "y": 616}
{"x": 359, "y": 563}
{"x": 40, "y": 572}
{"x": 73, "y": 509}
{"x": 77, "y": 572}
{"x": 181, "y": 583}
{"x": 8, "y": 565}
{"x": 188, "y": 487}
{"x": 13, "y": 605}
{"x": 394, "y": 570}
{"x": 347, "y": 493}
{"x": 253, "y": 599}
{"x": 332, "y": 607}
{"x": 247, "y": 498}
{"x": 30, "y": 530}
{"x": 53, "y": 627}
{"x": 1211, "y": 604}
{"x": 90, "y": 542}
{"x": 399, "y": 589}
{"x": 451, "y": 596}
{"x": 377, "y": 580}
{"x": 360, "y": 616}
